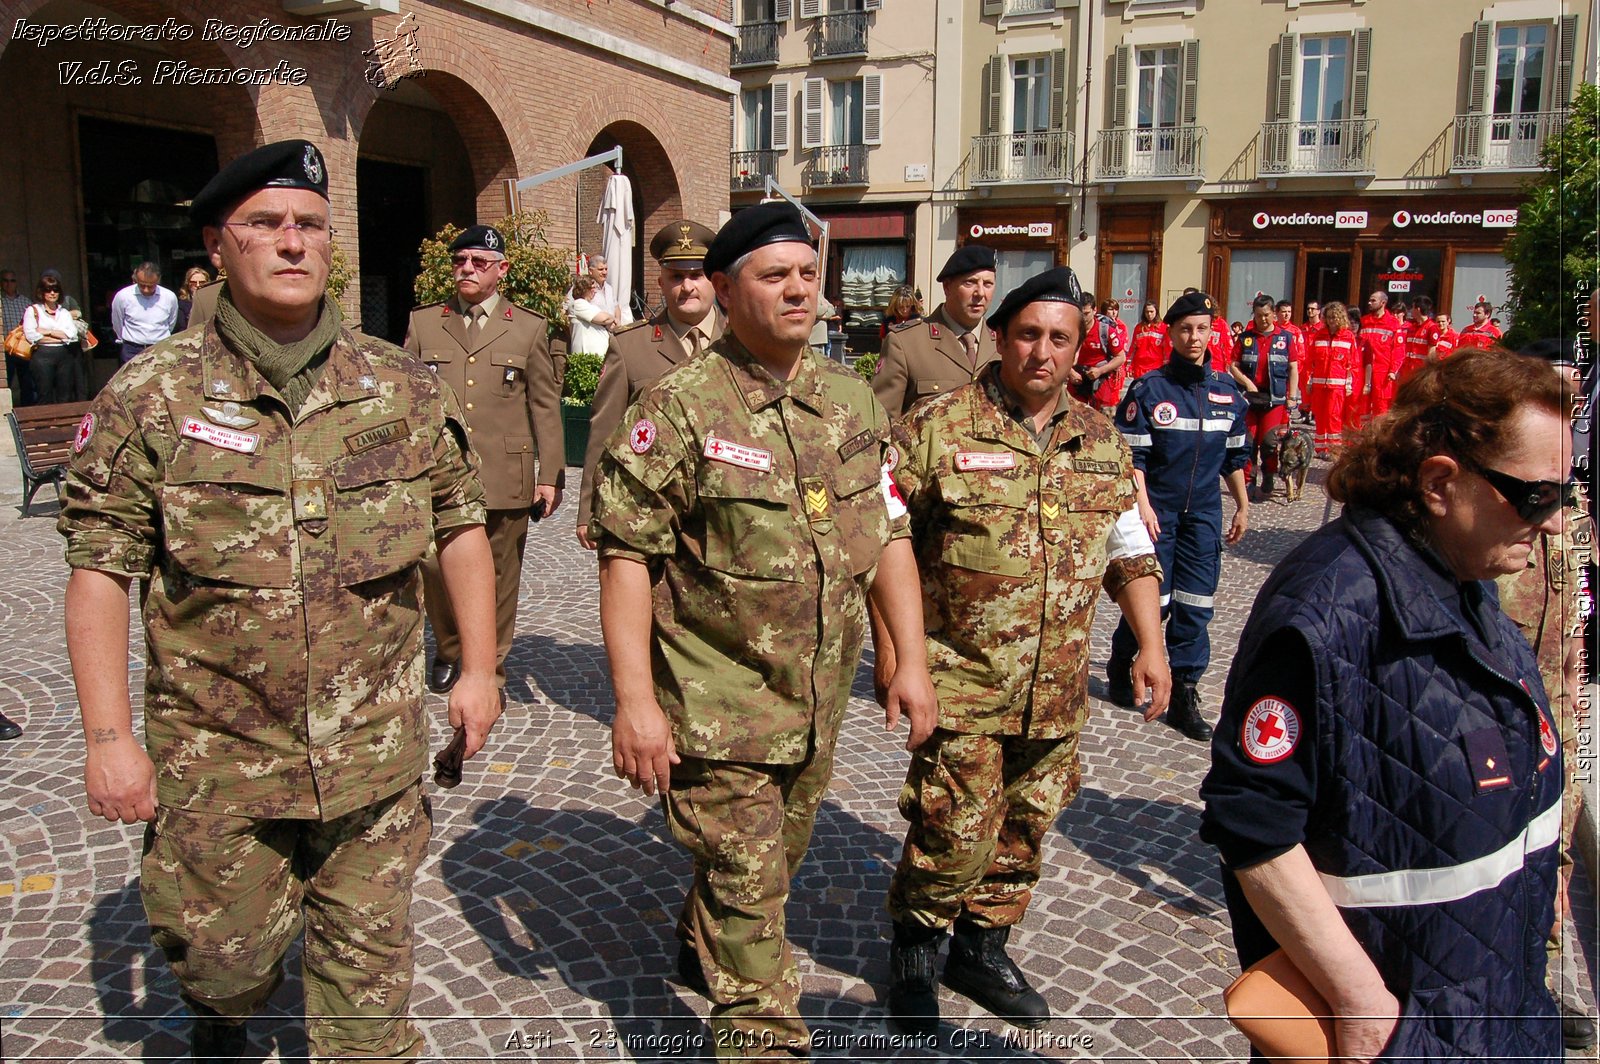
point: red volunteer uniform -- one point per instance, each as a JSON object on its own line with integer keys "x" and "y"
{"x": 1332, "y": 360}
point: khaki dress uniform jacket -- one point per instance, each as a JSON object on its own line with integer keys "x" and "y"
{"x": 203, "y": 305}
{"x": 924, "y": 358}
{"x": 505, "y": 381}
{"x": 639, "y": 355}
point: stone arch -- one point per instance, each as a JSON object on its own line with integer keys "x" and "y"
{"x": 657, "y": 195}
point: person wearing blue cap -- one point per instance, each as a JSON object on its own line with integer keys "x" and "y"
{"x": 273, "y": 481}
{"x": 743, "y": 516}
{"x": 930, "y": 355}
{"x": 1022, "y": 511}
{"x": 1185, "y": 423}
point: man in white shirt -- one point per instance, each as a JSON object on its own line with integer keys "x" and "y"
{"x": 143, "y": 313}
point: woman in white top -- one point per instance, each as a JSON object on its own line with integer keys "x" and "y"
{"x": 590, "y": 332}
{"x": 49, "y": 327}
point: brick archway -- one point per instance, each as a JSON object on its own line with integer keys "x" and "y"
{"x": 658, "y": 196}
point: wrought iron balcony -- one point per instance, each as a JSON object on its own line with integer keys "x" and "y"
{"x": 1023, "y": 156}
{"x": 1504, "y": 142}
{"x": 1168, "y": 152}
{"x": 1343, "y": 147}
{"x": 758, "y": 44}
{"x": 838, "y": 164}
{"x": 748, "y": 170}
{"x": 839, "y": 35}
{"x": 1030, "y": 7}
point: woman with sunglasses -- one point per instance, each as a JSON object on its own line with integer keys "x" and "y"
{"x": 1385, "y": 788}
{"x": 51, "y": 330}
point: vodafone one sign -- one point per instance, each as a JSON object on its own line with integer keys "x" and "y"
{"x": 1500, "y": 218}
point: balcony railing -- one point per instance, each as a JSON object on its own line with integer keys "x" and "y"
{"x": 758, "y": 44}
{"x": 748, "y": 170}
{"x": 1023, "y": 157}
{"x": 1168, "y": 152}
{"x": 840, "y": 35}
{"x": 839, "y": 164}
{"x": 1030, "y": 7}
{"x": 1343, "y": 147}
{"x": 1503, "y": 142}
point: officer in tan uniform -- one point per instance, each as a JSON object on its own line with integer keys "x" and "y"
{"x": 946, "y": 349}
{"x": 640, "y": 353}
{"x": 496, "y": 357}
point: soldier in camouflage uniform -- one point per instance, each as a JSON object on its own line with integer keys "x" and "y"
{"x": 1549, "y": 601}
{"x": 274, "y": 481}
{"x": 743, "y": 513}
{"x": 1022, "y": 509}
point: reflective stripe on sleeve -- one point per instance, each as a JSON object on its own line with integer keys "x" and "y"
{"x": 1238, "y": 441}
{"x": 1432, "y": 886}
{"x": 1138, "y": 440}
{"x": 1190, "y": 599}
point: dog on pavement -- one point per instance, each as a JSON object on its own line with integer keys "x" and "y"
{"x": 1295, "y": 447}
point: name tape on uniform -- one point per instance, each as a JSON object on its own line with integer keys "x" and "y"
{"x": 217, "y": 436}
{"x": 737, "y": 454}
{"x": 970, "y": 460}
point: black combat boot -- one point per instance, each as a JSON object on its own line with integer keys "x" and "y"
{"x": 913, "y": 999}
{"x": 1184, "y": 712}
{"x": 979, "y": 968}
{"x": 1119, "y": 683}
{"x": 214, "y": 1038}
{"x": 690, "y": 972}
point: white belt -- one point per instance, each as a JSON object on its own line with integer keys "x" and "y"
{"x": 1430, "y": 886}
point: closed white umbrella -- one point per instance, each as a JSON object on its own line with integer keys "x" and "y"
{"x": 616, "y": 241}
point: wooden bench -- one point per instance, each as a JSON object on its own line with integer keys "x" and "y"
{"x": 44, "y": 436}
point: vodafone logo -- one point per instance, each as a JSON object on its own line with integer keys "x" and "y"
{"x": 1401, "y": 263}
{"x": 1402, "y": 219}
{"x": 1261, "y": 220}
{"x": 976, "y": 230}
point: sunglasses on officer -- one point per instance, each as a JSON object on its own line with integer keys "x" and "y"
{"x": 479, "y": 263}
{"x": 1534, "y": 500}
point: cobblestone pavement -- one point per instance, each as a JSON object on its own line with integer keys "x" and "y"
{"x": 545, "y": 908}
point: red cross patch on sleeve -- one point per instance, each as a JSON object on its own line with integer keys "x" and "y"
{"x": 643, "y": 436}
{"x": 86, "y": 429}
{"x": 1271, "y": 731}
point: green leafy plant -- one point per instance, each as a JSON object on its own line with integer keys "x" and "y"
{"x": 339, "y": 273}
{"x": 538, "y": 279}
{"x": 583, "y": 377}
{"x": 867, "y": 365}
{"x": 1554, "y": 253}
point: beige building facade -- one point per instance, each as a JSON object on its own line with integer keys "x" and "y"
{"x": 1307, "y": 149}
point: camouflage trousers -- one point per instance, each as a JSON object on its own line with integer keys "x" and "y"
{"x": 747, "y": 827}
{"x": 978, "y": 807}
{"x": 226, "y": 896}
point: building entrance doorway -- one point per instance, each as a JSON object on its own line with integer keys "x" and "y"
{"x": 1327, "y": 277}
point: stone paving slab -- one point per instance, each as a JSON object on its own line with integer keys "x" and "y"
{"x": 545, "y": 908}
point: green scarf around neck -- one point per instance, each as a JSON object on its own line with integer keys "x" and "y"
{"x": 294, "y": 368}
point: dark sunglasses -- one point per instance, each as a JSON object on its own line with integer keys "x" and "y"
{"x": 1534, "y": 500}
{"x": 49, "y": 288}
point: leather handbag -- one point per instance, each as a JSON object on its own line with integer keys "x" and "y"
{"x": 17, "y": 345}
{"x": 1275, "y": 1006}
{"x": 89, "y": 340}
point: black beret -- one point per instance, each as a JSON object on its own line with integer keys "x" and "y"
{"x": 966, "y": 259}
{"x": 1059, "y": 285}
{"x": 754, "y": 227}
{"x": 682, "y": 245}
{"x": 1186, "y": 305}
{"x": 284, "y": 164}
{"x": 479, "y": 238}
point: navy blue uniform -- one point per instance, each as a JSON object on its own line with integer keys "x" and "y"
{"x": 1186, "y": 427}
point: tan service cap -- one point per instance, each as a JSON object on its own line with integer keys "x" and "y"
{"x": 682, "y": 244}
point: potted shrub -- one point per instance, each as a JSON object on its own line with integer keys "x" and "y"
{"x": 577, "y": 398}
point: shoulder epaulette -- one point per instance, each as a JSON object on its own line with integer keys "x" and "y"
{"x": 632, "y": 325}
{"x": 519, "y": 306}
{"x": 904, "y": 325}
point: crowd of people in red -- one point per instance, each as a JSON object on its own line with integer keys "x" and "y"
{"x": 1347, "y": 366}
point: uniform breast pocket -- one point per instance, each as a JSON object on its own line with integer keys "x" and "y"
{"x": 992, "y": 528}
{"x": 509, "y": 371}
{"x": 863, "y": 518}
{"x": 1091, "y": 504}
{"x": 926, "y": 386}
{"x": 382, "y": 512}
{"x": 750, "y": 529}
{"x": 227, "y": 517}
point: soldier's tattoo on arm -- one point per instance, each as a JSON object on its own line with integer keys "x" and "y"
{"x": 104, "y": 735}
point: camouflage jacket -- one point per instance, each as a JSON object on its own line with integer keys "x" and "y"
{"x": 1549, "y": 599}
{"x": 283, "y": 616}
{"x": 759, "y": 505}
{"x": 1011, "y": 545}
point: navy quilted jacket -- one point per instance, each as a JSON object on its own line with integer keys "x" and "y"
{"x": 1401, "y": 685}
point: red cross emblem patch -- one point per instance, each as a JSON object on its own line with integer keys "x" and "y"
{"x": 1271, "y": 731}
{"x": 86, "y": 429}
{"x": 643, "y": 436}
{"x": 1547, "y": 736}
